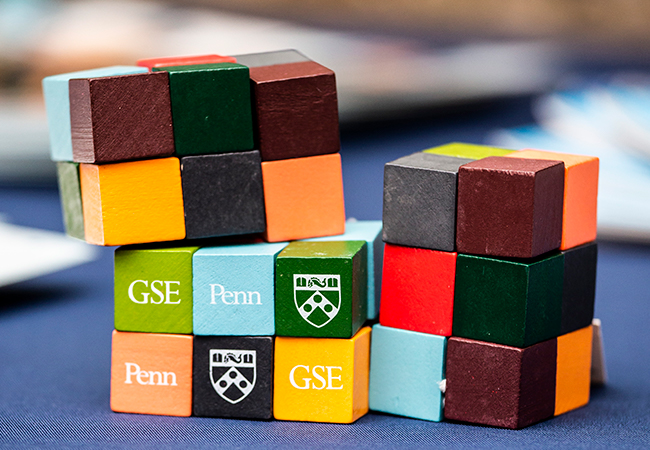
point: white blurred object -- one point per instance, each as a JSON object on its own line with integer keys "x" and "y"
{"x": 598, "y": 368}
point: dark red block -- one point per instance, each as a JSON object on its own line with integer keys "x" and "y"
{"x": 295, "y": 110}
{"x": 417, "y": 291}
{"x": 509, "y": 207}
{"x": 498, "y": 385}
{"x": 121, "y": 118}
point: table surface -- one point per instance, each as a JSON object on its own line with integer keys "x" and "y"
{"x": 55, "y": 334}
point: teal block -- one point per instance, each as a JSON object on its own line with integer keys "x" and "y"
{"x": 369, "y": 231}
{"x": 406, "y": 369}
{"x": 234, "y": 291}
{"x": 57, "y": 105}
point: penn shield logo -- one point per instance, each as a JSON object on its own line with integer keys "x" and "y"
{"x": 317, "y": 297}
{"x": 233, "y": 373}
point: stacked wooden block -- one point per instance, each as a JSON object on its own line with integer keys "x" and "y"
{"x": 488, "y": 285}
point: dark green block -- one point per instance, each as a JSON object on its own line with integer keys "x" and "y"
{"x": 508, "y": 301}
{"x": 153, "y": 289}
{"x": 321, "y": 289}
{"x": 70, "y": 193}
{"x": 211, "y": 108}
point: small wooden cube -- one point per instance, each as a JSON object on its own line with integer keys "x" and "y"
{"x": 271, "y": 58}
{"x": 573, "y": 378}
{"x": 468, "y": 151}
{"x": 369, "y": 231}
{"x": 580, "y": 194}
{"x": 57, "y": 104}
{"x": 171, "y": 61}
{"x": 132, "y": 202}
{"x": 233, "y": 377}
{"x": 418, "y": 289}
{"x": 234, "y": 290}
{"x": 151, "y": 374}
{"x": 303, "y": 197}
{"x": 509, "y": 302}
{"x": 321, "y": 289}
{"x": 153, "y": 289}
{"x": 70, "y": 194}
{"x": 497, "y": 385}
{"x": 406, "y": 370}
{"x": 121, "y": 118}
{"x": 509, "y": 207}
{"x": 321, "y": 380}
{"x": 420, "y": 201}
{"x": 223, "y": 194}
{"x": 211, "y": 108}
{"x": 579, "y": 292}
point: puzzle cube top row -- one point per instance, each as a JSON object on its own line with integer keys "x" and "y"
{"x": 487, "y": 201}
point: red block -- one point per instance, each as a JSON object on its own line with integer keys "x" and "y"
{"x": 170, "y": 61}
{"x": 417, "y": 290}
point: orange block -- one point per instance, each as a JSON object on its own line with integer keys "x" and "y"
{"x": 573, "y": 370}
{"x": 303, "y": 197}
{"x": 151, "y": 373}
{"x": 170, "y": 61}
{"x": 321, "y": 380}
{"x": 132, "y": 202}
{"x": 580, "y": 194}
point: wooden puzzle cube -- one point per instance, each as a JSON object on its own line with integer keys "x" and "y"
{"x": 573, "y": 379}
{"x": 321, "y": 289}
{"x": 153, "y": 289}
{"x": 418, "y": 289}
{"x": 172, "y": 61}
{"x": 321, "y": 380}
{"x": 468, "y": 151}
{"x": 369, "y": 231}
{"x": 234, "y": 290}
{"x": 406, "y": 370}
{"x": 70, "y": 195}
{"x": 132, "y": 202}
{"x": 233, "y": 377}
{"x": 121, "y": 118}
{"x": 498, "y": 385}
{"x": 211, "y": 108}
{"x": 420, "y": 201}
{"x": 223, "y": 194}
{"x": 580, "y": 194}
{"x": 509, "y": 207}
{"x": 509, "y": 302}
{"x": 57, "y": 104}
{"x": 579, "y": 293}
{"x": 151, "y": 373}
{"x": 303, "y": 197}
{"x": 295, "y": 109}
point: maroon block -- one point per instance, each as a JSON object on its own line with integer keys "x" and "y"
{"x": 499, "y": 385}
{"x": 295, "y": 110}
{"x": 121, "y": 118}
{"x": 509, "y": 207}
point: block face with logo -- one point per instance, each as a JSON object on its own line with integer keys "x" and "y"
{"x": 151, "y": 373}
{"x": 418, "y": 289}
{"x": 321, "y": 380}
{"x": 233, "y": 377}
{"x": 509, "y": 302}
{"x": 406, "y": 369}
{"x": 153, "y": 289}
{"x": 321, "y": 289}
{"x": 234, "y": 292}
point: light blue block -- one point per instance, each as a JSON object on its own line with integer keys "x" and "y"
{"x": 234, "y": 291}
{"x": 369, "y": 231}
{"x": 57, "y": 105}
{"x": 406, "y": 368}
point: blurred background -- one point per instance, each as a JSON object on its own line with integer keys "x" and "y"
{"x": 552, "y": 74}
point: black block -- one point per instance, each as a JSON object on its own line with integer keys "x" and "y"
{"x": 579, "y": 287}
{"x": 223, "y": 194}
{"x": 233, "y": 377}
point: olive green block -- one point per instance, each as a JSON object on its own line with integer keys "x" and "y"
{"x": 211, "y": 108}
{"x": 469, "y": 151}
{"x": 321, "y": 289}
{"x": 153, "y": 289}
{"x": 508, "y": 302}
{"x": 70, "y": 193}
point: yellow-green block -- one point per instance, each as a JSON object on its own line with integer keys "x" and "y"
{"x": 469, "y": 151}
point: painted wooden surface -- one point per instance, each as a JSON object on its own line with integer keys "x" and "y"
{"x": 468, "y": 151}
{"x": 322, "y": 380}
{"x": 70, "y": 194}
{"x": 579, "y": 292}
{"x": 271, "y": 58}
{"x": 170, "y": 61}
{"x": 573, "y": 378}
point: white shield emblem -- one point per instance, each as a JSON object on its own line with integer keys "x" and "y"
{"x": 233, "y": 373}
{"x": 317, "y": 297}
